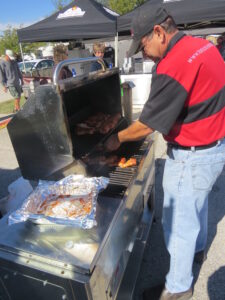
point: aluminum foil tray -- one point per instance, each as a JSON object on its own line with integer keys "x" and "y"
{"x": 70, "y": 201}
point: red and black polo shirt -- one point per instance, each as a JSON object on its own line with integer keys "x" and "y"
{"x": 187, "y": 98}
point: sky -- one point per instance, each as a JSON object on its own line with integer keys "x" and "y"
{"x": 24, "y": 12}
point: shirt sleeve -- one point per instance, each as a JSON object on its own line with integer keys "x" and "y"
{"x": 19, "y": 72}
{"x": 2, "y": 77}
{"x": 95, "y": 66}
{"x": 165, "y": 103}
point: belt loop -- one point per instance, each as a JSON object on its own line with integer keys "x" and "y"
{"x": 192, "y": 149}
{"x": 170, "y": 152}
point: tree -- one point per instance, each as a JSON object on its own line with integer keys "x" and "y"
{"x": 103, "y": 2}
{"x": 124, "y": 6}
{"x": 59, "y": 4}
{"x": 9, "y": 40}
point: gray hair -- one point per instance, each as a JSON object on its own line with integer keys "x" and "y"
{"x": 168, "y": 25}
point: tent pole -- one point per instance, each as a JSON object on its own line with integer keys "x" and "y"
{"x": 116, "y": 50}
{"x": 21, "y": 51}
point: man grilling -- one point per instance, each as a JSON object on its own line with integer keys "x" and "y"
{"x": 187, "y": 105}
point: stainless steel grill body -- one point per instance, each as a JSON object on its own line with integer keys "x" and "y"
{"x": 60, "y": 262}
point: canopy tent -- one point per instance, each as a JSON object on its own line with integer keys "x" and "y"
{"x": 81, "y": 19}
{"x": 188, "y": 14}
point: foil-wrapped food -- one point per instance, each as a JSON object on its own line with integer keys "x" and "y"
{"x": 70, "y": 201}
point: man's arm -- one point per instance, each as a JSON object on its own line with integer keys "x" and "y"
{"x": 19, "y": 73}
{"x": 3, "y": 79}
{"x": 134, "y": 132}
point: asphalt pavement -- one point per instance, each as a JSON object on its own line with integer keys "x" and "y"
{"x": 209, "y": 278}
{"x": 9, "y": 169}
{"x": 4, "y": 96}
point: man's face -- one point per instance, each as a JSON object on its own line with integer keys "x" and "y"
{"x": 7, "y": 58}
{"x": 150, "y": 46}
{"x": 153, "y": 45}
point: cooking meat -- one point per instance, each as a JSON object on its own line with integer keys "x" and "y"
{"x": 97, "y": 160}
{"x": 97, "y": 119}
{"x": 99, "y": 122}
{"x": 122, "y": 162}
{"x": 127, "y": 163}
{"x": 102, "y": 160}
{"x": 82, "y": 129}
{"x": 112, "y": 160}
{"x": 109, "y": 123}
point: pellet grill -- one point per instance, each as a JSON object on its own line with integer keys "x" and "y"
{"x": 62, "y": 262}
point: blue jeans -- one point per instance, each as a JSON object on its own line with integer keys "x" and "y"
{"x": 187, "y": 181}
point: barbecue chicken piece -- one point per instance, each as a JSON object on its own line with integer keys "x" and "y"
{"x": 122, "y": 162}
{"x": 127, "y": 163}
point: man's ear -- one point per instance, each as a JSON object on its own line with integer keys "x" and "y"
{"x": 163, "y": 37}
{"x": 159, "y": 33}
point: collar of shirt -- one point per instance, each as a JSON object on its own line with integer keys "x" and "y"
{"x": 174, "y": 40}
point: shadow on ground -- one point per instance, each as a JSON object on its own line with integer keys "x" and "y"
{"x": 155, "y": 263}
{"x": 7, "y": 177}
{"x": 217, "y": 280}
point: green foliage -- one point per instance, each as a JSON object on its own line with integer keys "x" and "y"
{"x": 59, "y": 4}
{"x": 124, "y": 6}
{"x": 104, "y": 2}
{"x": 9, "y": 40}
{"x": 33, "y": 47}
{"x": 6, "y": 107}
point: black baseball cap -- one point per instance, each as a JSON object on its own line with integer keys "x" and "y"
{"x": 143, "y": 23}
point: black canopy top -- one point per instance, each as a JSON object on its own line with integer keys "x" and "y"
{"x": 188, "y": 14}
{"x": 81, "y": 19}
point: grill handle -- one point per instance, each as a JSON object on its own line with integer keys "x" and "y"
{"x": 71, "y": 61}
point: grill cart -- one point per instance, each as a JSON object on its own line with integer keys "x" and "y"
{"x": 64, "y": 262}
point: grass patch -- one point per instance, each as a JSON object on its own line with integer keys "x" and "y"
{"x": 8, "y": 106}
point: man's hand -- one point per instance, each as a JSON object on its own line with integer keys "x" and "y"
{"x": 112, "y": 143}
{"x": 5, "y": 89}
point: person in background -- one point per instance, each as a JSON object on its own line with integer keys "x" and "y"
{"x": 186, "y": 104}
{"x": 11, "y": 77}
{"x": 219, "y": 42}
{"x": 60, "y": 53}
{"x": 222, "y": 46}
{"x": 109, "y": 56}
{"x": 98, "y": 51}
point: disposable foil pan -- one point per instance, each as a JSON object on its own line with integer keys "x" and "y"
{"x": 70, "y": 201}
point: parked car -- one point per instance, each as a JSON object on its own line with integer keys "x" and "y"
{"x": 36, "y": 72}
{"x": 35, "y": 65}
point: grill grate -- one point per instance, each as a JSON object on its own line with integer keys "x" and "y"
{"x": 120, "y": 178}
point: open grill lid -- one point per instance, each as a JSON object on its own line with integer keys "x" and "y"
{"x": 42, "y": 132}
